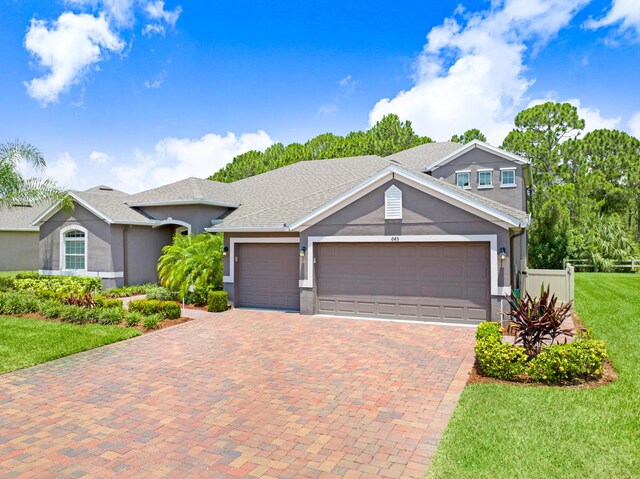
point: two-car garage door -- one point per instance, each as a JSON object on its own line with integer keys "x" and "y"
{"x": 417, "y": 281}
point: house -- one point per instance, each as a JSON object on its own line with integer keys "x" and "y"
{"x": 433, "y": 233}
{"x": 19, "y": 237}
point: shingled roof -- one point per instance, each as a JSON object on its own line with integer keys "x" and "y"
{"x": 20, "y": 217}
{"x": 190, "y": 190}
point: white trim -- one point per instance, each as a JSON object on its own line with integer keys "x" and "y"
{"x": 441, "y": 192}
{"x": 92, "y": 274}
{"x": 234, "y": 241}
{"x": 508, "y": 185}
{"x": 462, "y": 171}
{"x": 171, "y": 221}
{"x": 246, "y": 229}
{"x": 63, "y": 252}
{"x": 482, "y": 146}
{"x": 485, "y": 169}
{"x": 22, "y": 230}
{"x": 508, "y": 168}
{"x": 491, "y": 239}
{"x": 410, "y": 321}
{"x": 140, "y": 204}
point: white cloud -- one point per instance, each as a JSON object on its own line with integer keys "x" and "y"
{"x": 634, "y": 125}
{"x": 100, "y": 158}
{"x": 157, "y": 81}
{"x": 118, "y": 12}
{"x": 67, "y": 49}
{"x": 65, "y": 171}
{"x": 346, "y": 87}
{"x": 625, "y": 13}
{"x": 472, "y": 72}
{"x": 174, "y": 159}
{"x": 163, "y": 18}
{"x": 593, "y": 119}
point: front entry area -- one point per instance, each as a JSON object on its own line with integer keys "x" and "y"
{"x": 267, "y": 276}
{"x": 411, "y": 281}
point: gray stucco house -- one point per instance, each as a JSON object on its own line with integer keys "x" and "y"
{"x": 19, "y": 237}
{"x": 434, "y": 233}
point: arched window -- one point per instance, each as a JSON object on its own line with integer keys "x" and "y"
{"x": 182, "y": 230}
{"x": 393, "y": 203}
{"x": 75, "y": 250}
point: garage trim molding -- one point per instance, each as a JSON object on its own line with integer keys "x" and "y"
{"x": 491, "y": 239}
{"x": 232, "y": 250}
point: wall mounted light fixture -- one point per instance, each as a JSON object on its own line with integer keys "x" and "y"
{"x": 303, "y": 251}
{"x": 503, "y": 253}
{"x": 225, "y": 250}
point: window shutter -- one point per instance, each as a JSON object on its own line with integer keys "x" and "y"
{"x": 393, "y": 203}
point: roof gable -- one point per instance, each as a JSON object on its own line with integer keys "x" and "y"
{"x": 428, "y": 167}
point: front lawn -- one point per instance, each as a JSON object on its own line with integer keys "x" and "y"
{"x": 503, "y": 431}
{"x": 25, "y": 342}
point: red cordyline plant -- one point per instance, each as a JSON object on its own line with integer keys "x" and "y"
{"x": 85, "y": 300}
{"x": 537, "y": 321}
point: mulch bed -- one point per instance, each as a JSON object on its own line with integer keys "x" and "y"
{"x": 167, "y": 323}
{"x": 609, "y": 374}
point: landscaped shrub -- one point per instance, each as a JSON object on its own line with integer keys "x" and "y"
{"x": 537, "y": 321}
{"x": 168, "y": 309}
{"x": 218, "y": 301}
{"x": 162, "y": 294}
{"x": 133, "y": 319}
{"x": 103, "y": 302}
{"x": 583, "y": 358}
{"x": 7, "y": 283}
{"x": 199, "y": 296}
{"x": 60, "y": 285}
{"x": 127, "y": 291}
{"x": 85, "y": 300}
{"x": 51, "y": 309}
{"x": 499, "y": 360}
{"x": 16, "y": 303}
{"x": 488, "y": 330}
{"x": 74, "y": 314}
{"x": 110, "y": 316}
{"x": 153, "y": 321}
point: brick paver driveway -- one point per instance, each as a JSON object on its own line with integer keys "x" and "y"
{"x": 240, "y": 394}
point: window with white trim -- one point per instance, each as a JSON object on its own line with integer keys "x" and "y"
{"x": 182, "y": 230}
{"x": 75, "y": 249}
{"x": 393, "y": 203}
{"x": 463, "y": 179}
{"x": 485, "y": 178}
{"x": 508, "y": 177}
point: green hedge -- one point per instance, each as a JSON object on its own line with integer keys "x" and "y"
{"x": 500, "y": 360}
{"x": 127, "y": 291}
{"x": 583, "y": 358}
{"x": 56, "y": 285}
{"x": 217, "y": 301}
{"x": 153, "y": 321}
{"x": 162, "y": 294}
{"x": 168, "y": 309}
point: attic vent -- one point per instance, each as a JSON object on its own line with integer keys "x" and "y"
{"x": 20, "y": 205}
{"x": 105, "y": 188}
{"x": 393, "y": 203}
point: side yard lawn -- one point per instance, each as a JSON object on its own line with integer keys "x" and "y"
{"x": 25, "y": 342}
{"x": 501, "y": 431}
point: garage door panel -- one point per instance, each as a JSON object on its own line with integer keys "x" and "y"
{"x": 267, "y": 276}
{"x": 426, "y": 281}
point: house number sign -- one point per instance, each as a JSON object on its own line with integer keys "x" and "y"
{"x": 395, "y": 239}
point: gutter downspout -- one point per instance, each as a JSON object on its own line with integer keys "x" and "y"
{"x": 125, "y": 253}
{"x": 514, "y": 268}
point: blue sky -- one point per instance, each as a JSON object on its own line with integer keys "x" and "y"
{"x": 136, "y": 93}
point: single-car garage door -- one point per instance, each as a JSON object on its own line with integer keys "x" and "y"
{"x": 267, "y": 276}
{"x": 416, "y": 281}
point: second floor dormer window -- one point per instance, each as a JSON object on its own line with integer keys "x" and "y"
{"x": 485, "y": 178}
{"x": 463, "y": 179}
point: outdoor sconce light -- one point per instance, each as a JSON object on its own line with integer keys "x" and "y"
{"x": 503, "y": 253}
{"x": 225, "y": 250}
{"x": 303, "y": 251}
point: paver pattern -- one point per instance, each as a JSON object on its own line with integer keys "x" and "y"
{"x": 240, "y": 394}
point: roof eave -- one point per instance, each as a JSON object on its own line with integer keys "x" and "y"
{"x": 142, "y": 204}
{"x": 248, "y": 229}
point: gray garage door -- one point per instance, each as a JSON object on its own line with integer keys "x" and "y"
{"x": 417, "y": 281}
{"x": 267, "y": 276}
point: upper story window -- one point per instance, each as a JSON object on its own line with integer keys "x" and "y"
{"x": 507, "y": 177}
{"x": 75, "y": 250}
{"x": 393, "y": 203}
{"x": 463, "y": 179}
{"x": 485, "y": 178}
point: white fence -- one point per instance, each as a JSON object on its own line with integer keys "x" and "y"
{"x": 560, "y": 282}
{"x": 632, "y": 265}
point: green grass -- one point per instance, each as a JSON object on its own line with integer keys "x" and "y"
{"x": 25, "y": 342}
{"x": 501, "y": 431}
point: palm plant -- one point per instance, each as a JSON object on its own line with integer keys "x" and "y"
{"x": 15, "y": 189}
{"x": 191, "y": 260}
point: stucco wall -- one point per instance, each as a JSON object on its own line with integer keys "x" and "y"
{"x": 19, "y": 250}
{"x": 144, "y": 249}
{"x": 422, "y": 215}
{"x": 198, "y": 216}
{"x": 479, "y": 159}
{"x": 98, "y": 240}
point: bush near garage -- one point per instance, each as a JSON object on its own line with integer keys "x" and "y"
{"x": 217, "y": 301}
{"x": 168, "y": 309}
